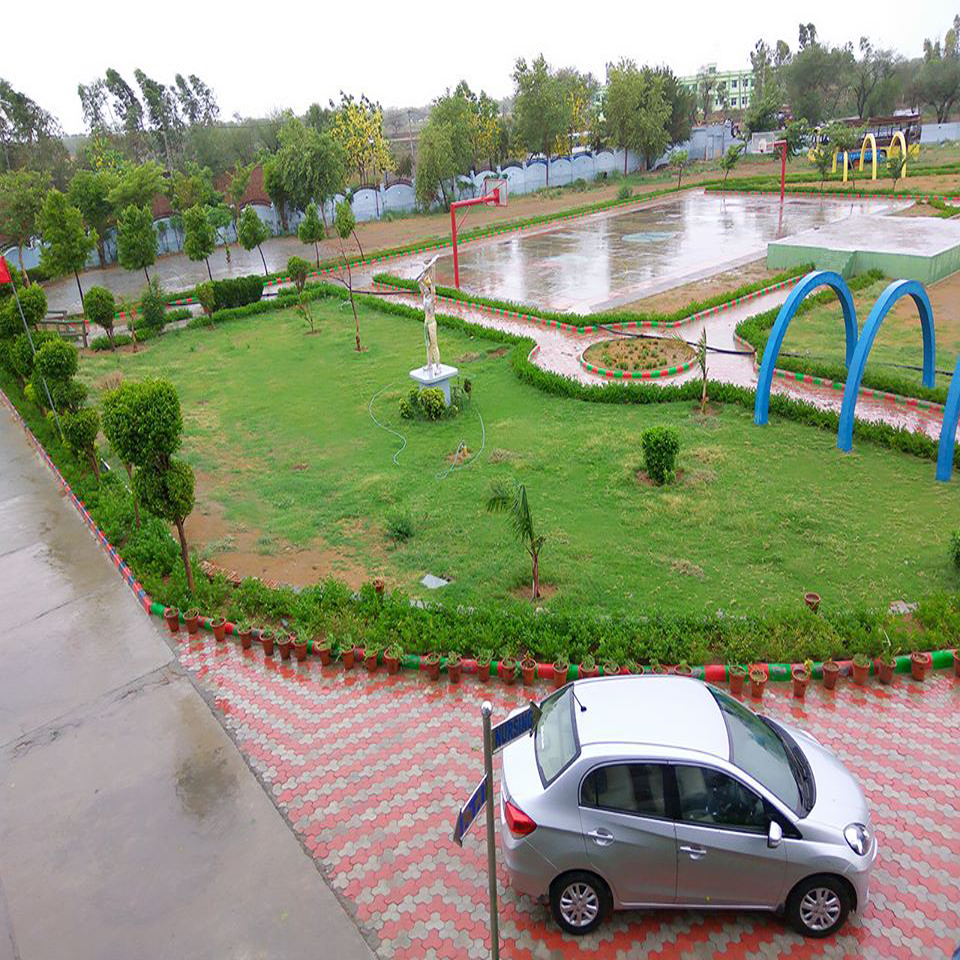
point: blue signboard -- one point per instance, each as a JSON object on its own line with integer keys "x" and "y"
{"x": 470, "y": 811}
{"x": 513, "y": 727}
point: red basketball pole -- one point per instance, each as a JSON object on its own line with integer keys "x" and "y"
{"x": 454, "y": 207}
{"x": 782, "y": 144}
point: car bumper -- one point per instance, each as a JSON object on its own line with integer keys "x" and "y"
{"x": 529, "y": 871}
{"x": 860, "y": 878}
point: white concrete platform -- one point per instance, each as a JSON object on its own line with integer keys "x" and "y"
{"x": 438, "y": 376}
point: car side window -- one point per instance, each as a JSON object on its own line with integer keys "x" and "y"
{"x": 626, "y": 787}
{"x": 712, "y": 798}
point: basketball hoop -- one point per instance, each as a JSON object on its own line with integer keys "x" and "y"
{"x": 494, "y": 195}
{"x": 496, "y": 187}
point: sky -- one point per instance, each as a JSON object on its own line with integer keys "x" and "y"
{"x": 258, "y": 57}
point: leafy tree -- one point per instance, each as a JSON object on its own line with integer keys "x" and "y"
{"x": 239, "y": 181}
{"x": 162, "y": 484}
{"x": 730, "y": 159}
{"x": 357, "y": 125}
{"x": 220, "y": 218}
{"x": 80, "y": 429}
{"x": 818, "y": 80}
{"x": 436, "y": 165}
{"x": 636, "y": 111}
{"x": 706, "y": 82}
{"x": 153, "y": 306}
{"x": 120, "y": 423}
{"x": 540, "y": 113}
{"x": 823, "y": 163}
{"x": 197, "y": 101}
{"x": 843, "y": 139}
{"x": 764, "y": 110}
{"x": 895, "y": 165}
{"x": 128, "y": 109}
{"x": 100, "y": 307}
{"x": 21, "y": 199}
{"x": 344, "y": 223}
{"x": 163, "y": 114}
{"x": 252, "y": 232}
{"x": 937, "y": 83}
{"x": 297, "y": 270}
{"x": 89, "y": 192}
{"x": 683, "y": 103}
{"x": 66, "y": 244}
{"x": 797, "y": 135}
{"x": 192, "y": 186}
{"x": 311, "y": 230}
{"x": 54, "y": 367}
{"x": 137, "y": 186}
{"x": 310, "y": 165}
{"x": 33, "y": 303}
{"x": 136, "y": 239}
{"x": 199, "y": 240}
{"x": 874, "y": 84}
{"x": 276, "y": 187}
{"x": 30, "y": 137}
{"x": 678, "y": 159}
{"x": 513, "y": 502}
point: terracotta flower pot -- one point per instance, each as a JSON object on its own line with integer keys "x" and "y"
{"x": 219, "y": 627}
{"x": 560, "y": 671}
{"x": 483, "y": 671}
{"x": 886, "y": 670}
{"x": 800, "y": 680}
{"x": 528, "y": 667}
{"x": 284, "y": 643}
{"x": 192, "y": 619}
{"x": 347, "y": 657}
{"x": 585, "y": 672}
{"x": 508, "y": 670}
{"x": 919, "y": 665}
{"x": 682, "y": 670}
{"x": 454, "y": 669}
{"x": 861, "y": 673}
{"x": 370, "y": 661}
{"x": 379, "y": 585}
{"x": 171, "y": 616}
{"x": 323, "y": 651}
{"x": 391, "y": 662}
{"x": 300, "y": 649}
{"x": 266, "y": 641}
{"x": 757, "y": 685}
{"x": 431, "y": 665}
{"x": 812, "y": 600}
{"x": 831, "y": 670}
{"x": 246, "y": 639}
{"x": 737, "y": 677}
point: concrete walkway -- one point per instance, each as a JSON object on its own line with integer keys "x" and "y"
{"x": 130, "y": 825}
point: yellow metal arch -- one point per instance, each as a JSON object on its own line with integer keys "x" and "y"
{"x": 846, "y": 165}
{"x": 873, "y": 154}
{"x": 903, "y": 147}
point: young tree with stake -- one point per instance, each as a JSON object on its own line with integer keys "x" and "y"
{"x": 199, "y": 239}
{"x": 252, "y": 232}
{"x": 311, "y": 229}
{"x": 344, "y": 223}
{"x": 513, "y": 501}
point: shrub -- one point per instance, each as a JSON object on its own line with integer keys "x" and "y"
{"x": 955, "y": 548}
{"x": 297, "y": 270}
{"x": 180, "y": 313}
{"x": 400, "y": 527}
{"x": 80, "y": 430}
{"x": 660, "y": 448}
{"x": 204, "y": 293}
{"x": 624, "y": 193}
{"x": 432, "y": 403}
{"x": 153, "y": 307}
{"x": 99, "y": 305}
{"x": 68, "y": 395}
{"x": 57, "y": 360}
{"x": 237, "y": 292}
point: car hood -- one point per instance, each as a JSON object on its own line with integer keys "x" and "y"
{"x": 839, "y": 800}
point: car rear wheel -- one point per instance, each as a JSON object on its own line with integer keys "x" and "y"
{"x": 579, "y": 901}
{"x": 818, "y": 906}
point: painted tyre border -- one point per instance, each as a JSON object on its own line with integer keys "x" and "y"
{"x": 713, "y": 673}
{"x": 663, "y": 373}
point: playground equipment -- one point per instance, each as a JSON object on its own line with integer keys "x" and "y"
{"x": 494, "y": 194}
{"x": 858, "y": 349}
{"x": 887, "y": 136}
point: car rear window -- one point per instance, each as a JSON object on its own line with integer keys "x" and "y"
{"x": 556, "y": 743}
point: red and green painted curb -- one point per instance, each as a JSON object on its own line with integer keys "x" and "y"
{"x": 841, "y": 194}
{"x": 520, "y": 314}
{"x": 714, "y": 673}
{"x": 809, "y": 379}
{"x": 652, "y": 374}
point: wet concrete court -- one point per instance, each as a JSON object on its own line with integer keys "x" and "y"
{"x": 130, "y": 825}
{"x": 608, "y": 260}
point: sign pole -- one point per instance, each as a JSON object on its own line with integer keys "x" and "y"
{"x": 486, "y": 710}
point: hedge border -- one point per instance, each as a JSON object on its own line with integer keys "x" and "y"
{"x": 544, "y": 671}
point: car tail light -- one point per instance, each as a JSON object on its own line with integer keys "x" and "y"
{"x": 519, "y": 824}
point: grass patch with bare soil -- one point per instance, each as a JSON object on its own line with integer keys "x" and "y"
{"x": 639, "y": 353}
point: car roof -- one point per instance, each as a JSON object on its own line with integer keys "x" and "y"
{"x": 668, "y": 711}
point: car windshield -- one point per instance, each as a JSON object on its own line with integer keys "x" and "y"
{"x": 556, "y": 738}
{"x": 757, "y": 750}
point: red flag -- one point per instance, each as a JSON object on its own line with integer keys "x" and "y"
{"x": 4, "y": 270}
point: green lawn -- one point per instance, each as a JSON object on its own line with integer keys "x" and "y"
{"x": 818, "y": 333}
{"x": 277, "y": 426}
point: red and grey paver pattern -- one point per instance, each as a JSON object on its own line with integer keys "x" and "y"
{"x": 370, "y": 769}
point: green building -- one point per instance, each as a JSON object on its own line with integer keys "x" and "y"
{"x": 731, "y": 89}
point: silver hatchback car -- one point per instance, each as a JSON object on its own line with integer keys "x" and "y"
{"x": 662, "y": 791}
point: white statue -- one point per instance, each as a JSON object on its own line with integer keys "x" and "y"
{"x": 428, "y": 291}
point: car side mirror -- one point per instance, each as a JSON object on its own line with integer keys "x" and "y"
{"x": 774, "y": 835}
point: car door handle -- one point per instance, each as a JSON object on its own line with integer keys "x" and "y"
{"x": 603, "y": 838}
{"x": 695, "y": 852}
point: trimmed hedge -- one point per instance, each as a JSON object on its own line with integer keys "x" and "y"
{"x": 237, "y": 291}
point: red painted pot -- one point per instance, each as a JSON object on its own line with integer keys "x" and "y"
{"x": 391, "y": 663}
{"x": 370, "y": 662}
{"x": 812, "y": 600}
{"x": 861, "y": 673}
{"x": 684, "y": 671}
{"x": 300, "y": 650}
{"x": 431, "y": 664}
{"x": 246, "y": 639}
{"x": 756, "y": 687}
{"x": 483, "y": 672}
{"x": 266, "y": 641}
{"x": 560, "y": 673}
{"x": 586, "y": 672}
{"x": 323, "y": 652}
{"x": 171, "y": 617}
{"x": 737, "y": 677}
{"x": 528, "y": 668}
{"x": 919, "y": 665}
{"x": 219, "y": 627}
{"x": 800, "y": 680}
{"x": 508, "y": 671}
{"x": 454, "y": 669}
{"x": 886, "y": 670}
{"x": 192, "y": 619}
{"x": 347, "y": 657}
{"x": 831, "y": 670}
{"x": 284, "y": 643}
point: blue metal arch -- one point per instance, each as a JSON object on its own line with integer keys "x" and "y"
{"x": 896, "y": 290}
{"x": 818, "y": 278}
{"x": 948, "y": 431}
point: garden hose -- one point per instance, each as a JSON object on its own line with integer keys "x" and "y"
{"x": 461, "y": 446}
{"x": 383, "y": 426}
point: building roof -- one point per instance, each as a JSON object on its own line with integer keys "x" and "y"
{"x": 668, "y": 711}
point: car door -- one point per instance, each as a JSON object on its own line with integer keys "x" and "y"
{"x": 629, "y": 835}
{"x": 722, "y": 854}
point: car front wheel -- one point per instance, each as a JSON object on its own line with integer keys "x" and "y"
{"x": 579, "y": 902}
{"x": 818, "y": 906}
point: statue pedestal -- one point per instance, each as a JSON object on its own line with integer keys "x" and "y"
{"x": 436, "y": 376}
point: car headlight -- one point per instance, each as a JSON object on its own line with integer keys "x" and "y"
{"x": 858, "y": 838}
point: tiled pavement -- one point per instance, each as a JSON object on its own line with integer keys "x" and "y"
{"x": 370, "y": 770}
